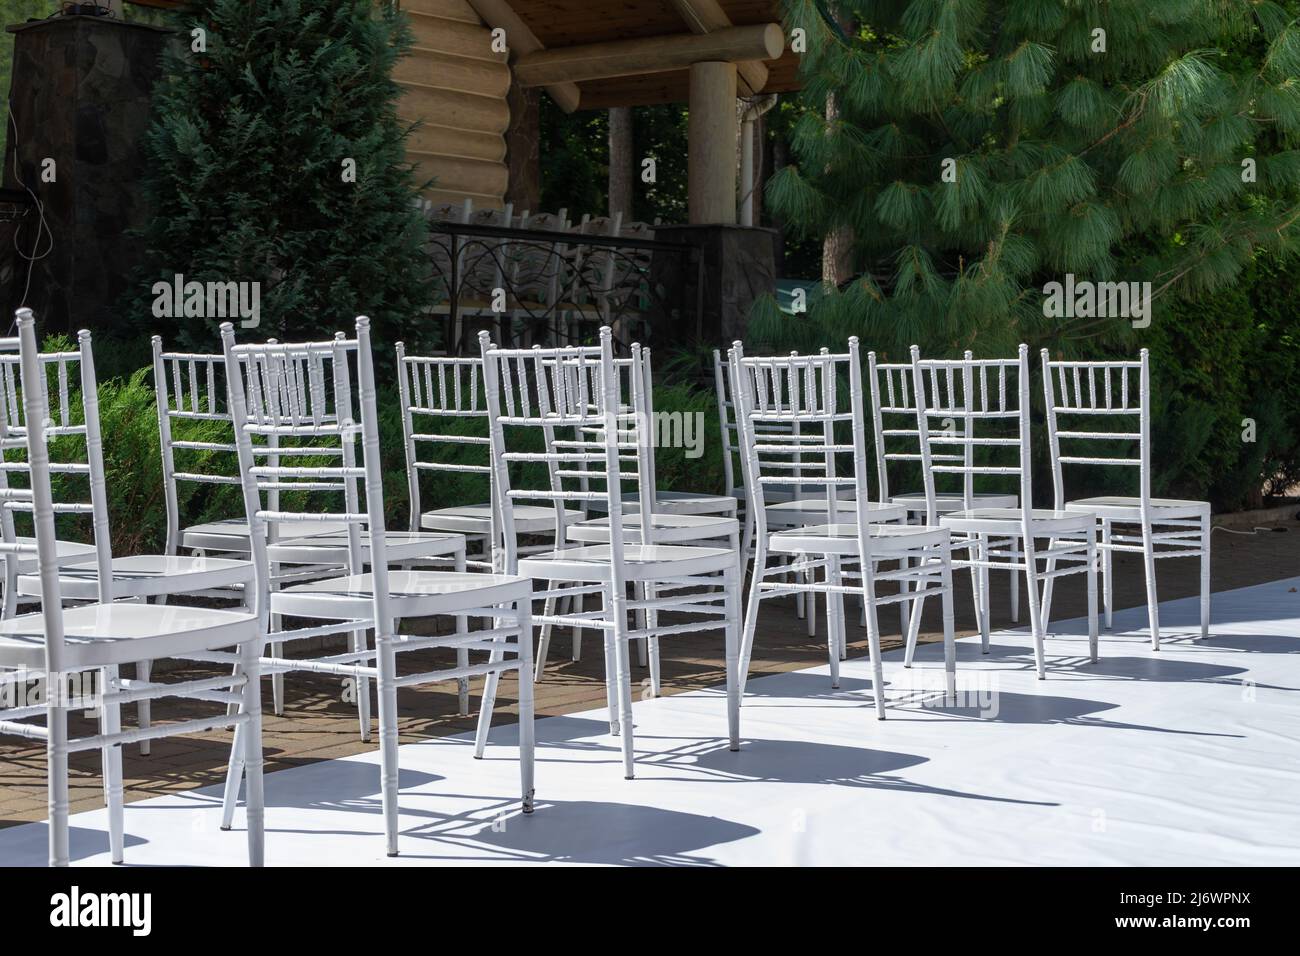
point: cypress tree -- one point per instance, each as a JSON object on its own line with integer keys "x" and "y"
{"x": 277, "y": 157}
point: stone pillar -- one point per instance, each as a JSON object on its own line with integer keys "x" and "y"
{"x": 711, "y": 134}
{"x": 81, "y": 92}
{"x": 729, "y": 267}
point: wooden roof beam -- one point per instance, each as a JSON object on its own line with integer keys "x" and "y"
{"x": 523, "y": 42}
{"x": 705, "y": 16}
{"x": 599, "y": 61}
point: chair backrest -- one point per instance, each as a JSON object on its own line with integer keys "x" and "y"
{"x": 440, "y": 398}
{"x": 560, "y": 391}
{"x": 40, "y": 496}
{"x": 85, "y": 458}
{"x": 1080, "y": 391}
{"x": 726, "y": 422}
{"x": 974, "y": 401}
{"x": 893, "y": 416}
{"x": 190, "y": 391}
{"x": 775, "y": 393}
{"x": 314, "y": 424}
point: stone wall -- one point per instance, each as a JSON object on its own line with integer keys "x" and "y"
{"x": 80, "y": 92}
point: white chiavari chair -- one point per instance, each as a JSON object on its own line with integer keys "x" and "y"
{"x": 803, "y": 499}
{"x": 898, "y": 439}
{"x": 551, "y": 390}
{"x": 692, "y": 524}
{"x": 1087, "y": 395}
{"x": 809, "y": 390}
{"x": 263, "y": 405}
{"x": 983, "y": 405}
{"x": 78, "y": 651}
{"x": 104, "y": 578}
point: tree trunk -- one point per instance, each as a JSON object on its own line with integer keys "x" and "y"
{"x": 837, "y": 247}
{"x": 621, "y": 162}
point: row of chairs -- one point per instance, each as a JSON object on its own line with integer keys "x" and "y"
{"x": 558, "y": 433}
{"x": 554, "y": 291}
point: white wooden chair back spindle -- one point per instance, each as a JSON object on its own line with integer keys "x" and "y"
{"x": 776, "y": 393}
{"x": 1099, "y": 390}
{"x": 437, "y": 392}
{"x": 552, "y": 390}
{"x": 89, "y": 463}
{"x": 975, "y": 394}
{"x": 270, "y": 401}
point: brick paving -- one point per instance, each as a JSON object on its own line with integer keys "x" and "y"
{"x": 319, "y": 725}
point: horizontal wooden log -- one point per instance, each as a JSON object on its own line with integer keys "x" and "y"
{"x": 439, "y": 35}
{"x": 596, "y": 61}
{"x": 483, "y": 114}
{"x": 461, "y": 175}
{"x": 446, "y": 9}
{"x": 447, "y": 72}
{"x": 431, "y": 139}
{"x": 706, "y": 16}
{"x": 522, "y": 41}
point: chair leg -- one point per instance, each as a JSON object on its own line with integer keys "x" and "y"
{"x": 904, "y": 618}
{"x": 611, "y": 666}
{"x": 387, "y": 731}
{"x": 833, "y": 621}
{"x": 577, "y": 604}
{"x": 1035, "y": 607}
{"x": 974, "y": 553}
{"x": 732, "y": 583}
{"x": 1092, "y": 594}
{"x": 489, "y": 699}
{"x": 1107, "y": 579}
{"x": 56, "y": 783}
{"x": 652, "y": 643}
{"x": 1013, "y": 577}
{"x": 462, "y": 653}
{"x": 642, "y": 619}
{"x": 810, "y": 601}
{"x": 358, "y": 642}
{"x": 1048, "y": 586}
{"x": 527, "y": 741}
{"x": 143, "y": 711}
{"x": 544, "y": 642}
{"x": 110, "y": 722}
{"x": 873, "y": 650}
{"x": 1205, "y": 575}
{"x": 949, "y": 645}
{"x": 254, "y": 798}
{"x": 623, "y": 668}
{"x": 1153, "y": 602}
{"x": 986, "y": 601}
{"x": 234, "y": 777}
{"x": 751, "y": 614}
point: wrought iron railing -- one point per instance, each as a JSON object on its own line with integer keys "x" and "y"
{"x": 535, "y": 286}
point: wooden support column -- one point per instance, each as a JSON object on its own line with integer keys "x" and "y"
{"x": 711, "y": 131}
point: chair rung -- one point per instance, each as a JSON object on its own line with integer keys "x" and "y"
{"x": 156, "y": 731}
{"x": 456, "y": 673}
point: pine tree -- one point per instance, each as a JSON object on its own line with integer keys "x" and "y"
{"x": 258, "y": 123}
{"x": 1135, "y": 140}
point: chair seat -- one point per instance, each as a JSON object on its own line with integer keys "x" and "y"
{"x": 477, "y": 519}
{"x": 806, "y": 511}
{"x": 101, "y": 634}
{"x": 675, "y": 503}
{"x": 70, "y": 552}
{"x": 333, "y": 548}
{"x": 664, "y": 528}
{"x": 1122, "y": 508}
{"x": 413, "y": 593}
{"x": 886, "y": 539}
{"x": 1043, "y": 522}
{"x": 643, "y": 562}
{"x": 943, "y": 504}
{"x": 145, "y": 575}
{"x": 231, "y": 535}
